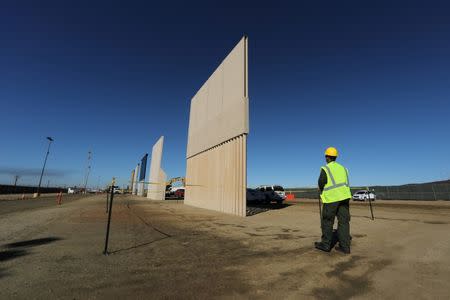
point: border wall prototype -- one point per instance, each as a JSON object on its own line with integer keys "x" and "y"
{"x": 131, "y": 186}
{"x": 216, "y": 168}
{"x": 135, "y": 182}
{"x": 157, "y": 178}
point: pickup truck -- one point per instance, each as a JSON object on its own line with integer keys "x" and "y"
{"x": 364, "y": 195}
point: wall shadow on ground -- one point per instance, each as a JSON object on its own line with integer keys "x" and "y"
{"x": 11, "y": 254}
{"x": 19, "y": 249}
{"x": 32, "y": 243}
{"x": 256, "y": 208}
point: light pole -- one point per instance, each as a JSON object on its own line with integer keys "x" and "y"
{"x": 88, "y": 170}
{"x": 50, "y": 140}
{"x": 16, "y": 178}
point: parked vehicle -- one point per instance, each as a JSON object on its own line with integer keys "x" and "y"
{"x": 168, "y": 192}
{"x": 364, "y": 195}
{"x": 179, "y": 193}
{"x": 170, "y": 189}
{"x": 278, "y": 189}
{"x": 73, "y": 190}
{"x": 273, "y": 193}
{"x": 255, "y": 195}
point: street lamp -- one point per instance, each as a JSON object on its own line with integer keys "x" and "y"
{"x": 50, "y": 140}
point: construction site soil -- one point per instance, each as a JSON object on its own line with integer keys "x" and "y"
{"x": 164, "y": 249}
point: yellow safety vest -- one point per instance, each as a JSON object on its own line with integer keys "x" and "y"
{"x": 337, "y": 187}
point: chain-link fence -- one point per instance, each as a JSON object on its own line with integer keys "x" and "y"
{"x": 426, "y": 191}
{"x": 431, "y": 191}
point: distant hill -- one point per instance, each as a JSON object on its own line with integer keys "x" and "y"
{"x": 427, "y": 183}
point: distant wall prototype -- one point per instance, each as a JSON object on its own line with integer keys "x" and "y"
{"x": 142, "y": 172}
{"x": 135, "y": 182}
{"x": 131, "y": 186}
{"x": 140, "y": 191}
{"x": 216, "y": 173}
{"x": 157, "y": 179}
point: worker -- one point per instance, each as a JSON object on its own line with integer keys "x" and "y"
{"x": 335, "y": 194}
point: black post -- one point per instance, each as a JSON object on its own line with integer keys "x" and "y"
{"x": 107, "y": 199}
{"x": 105, "y": 252}
{"x": 370, "y": 203}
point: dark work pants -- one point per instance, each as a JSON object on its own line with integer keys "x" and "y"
{"x": 340, "y": 210}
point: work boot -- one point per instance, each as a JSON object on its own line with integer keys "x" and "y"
{"x": 321, "y": 246}
{"x": 342, "y": 249}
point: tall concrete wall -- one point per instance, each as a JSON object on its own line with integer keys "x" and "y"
{"x": 140, "y": 191}
{"x": 216, "y": 174}
{"x": 157, "y": 179}
{"x": 140, "y": 183}
{"x": 135, "y": 182}
{"x": 132, "y": 181}
{"x": 161, "y": 191}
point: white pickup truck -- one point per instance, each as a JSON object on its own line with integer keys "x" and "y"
{"x": 73, "y": 190}
{"x": 364, "y": 195}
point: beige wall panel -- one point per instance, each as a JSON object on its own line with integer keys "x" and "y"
{"x": 214, "y": 118}
{"x": 219, "y": 110}
{"x": 136, "y": 172}
{"x": 132, "y": 181}
{"x": 216, "y": 170}
{"x": 155, "y": 183}
{"x": 161, "y": 188}
{"x": 234, "y": 91}
{"x": 216, "y": 179}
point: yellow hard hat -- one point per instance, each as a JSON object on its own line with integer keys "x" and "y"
{"x": 331, "y": 151}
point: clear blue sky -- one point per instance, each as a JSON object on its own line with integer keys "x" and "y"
{"x": 372, "y": 79}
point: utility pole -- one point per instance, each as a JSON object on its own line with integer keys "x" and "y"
{"x": 16, "y": 177}
{"x": 88, "y": 170}
{"x": 50, "y": 140}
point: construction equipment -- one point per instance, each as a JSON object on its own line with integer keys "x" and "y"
{"x": 176, "y": 179}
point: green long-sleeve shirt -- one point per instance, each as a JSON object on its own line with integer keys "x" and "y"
{"x": 322, "y": 180}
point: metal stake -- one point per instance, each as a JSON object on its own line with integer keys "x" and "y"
{"x": 370, "y": 203}
{"x": 105, "y": 252}
{"x": 107, "y": 199}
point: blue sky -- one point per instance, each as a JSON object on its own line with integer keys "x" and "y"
{"x": 372, "y": 80}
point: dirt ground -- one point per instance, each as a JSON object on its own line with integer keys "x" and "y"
{"x": 164, "y": 249}
{"x": 14, "y": 204}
